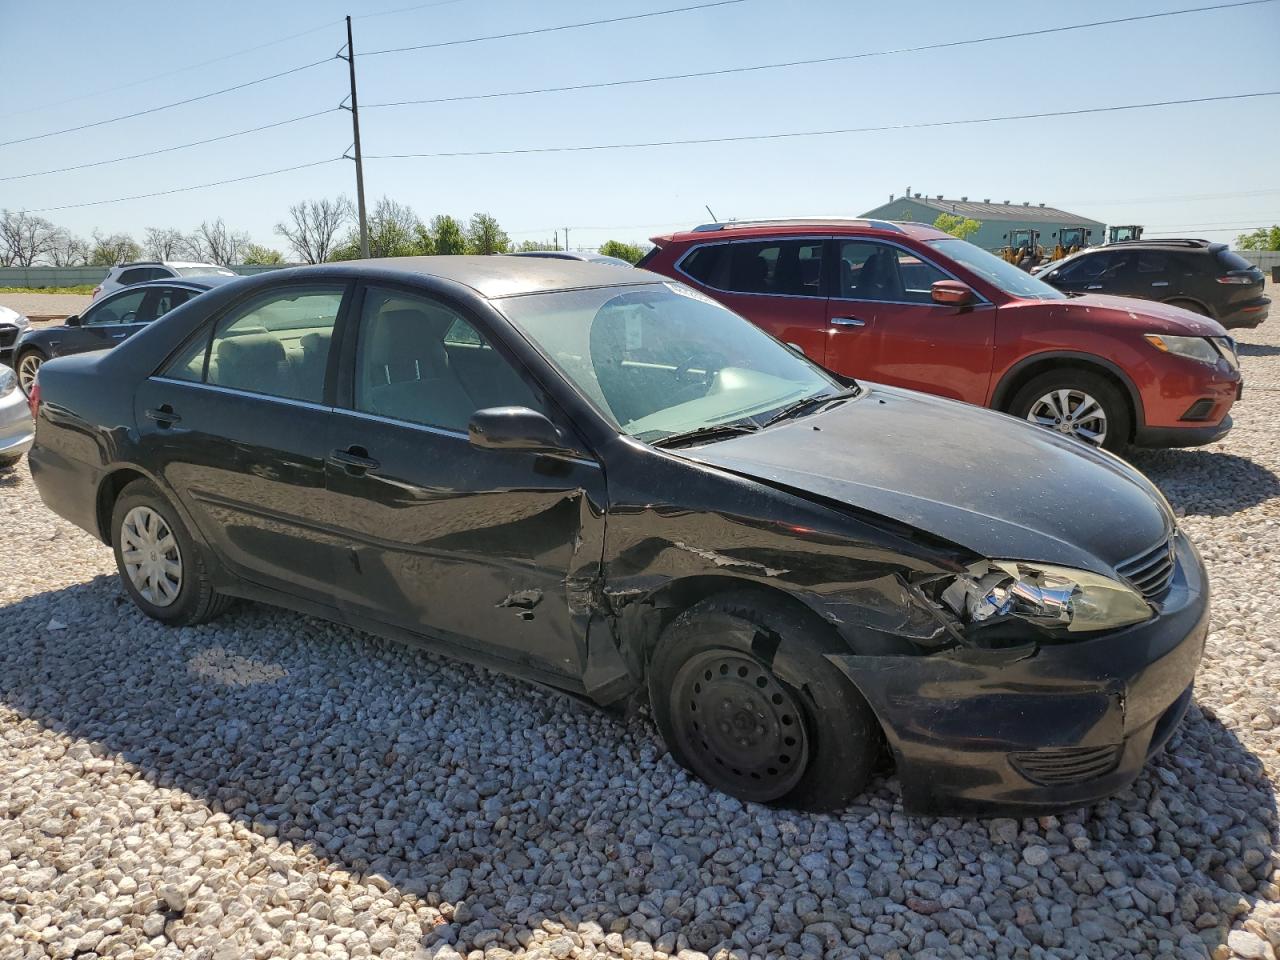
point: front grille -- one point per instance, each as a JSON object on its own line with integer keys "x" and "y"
{"x": 7, "y": 336}
{"x": 1150, "y": 572}
{"x": 1052, "y": 766}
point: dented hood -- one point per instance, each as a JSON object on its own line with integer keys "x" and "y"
{"x": 991, "y": 483}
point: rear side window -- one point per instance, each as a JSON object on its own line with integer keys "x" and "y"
{"x": 789, "y": 268}
{"x": 277, "y": 345}
{"x": 134, "y": 275}
{"x": 1230, "y": 260}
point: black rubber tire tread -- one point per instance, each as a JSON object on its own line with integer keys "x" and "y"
{"x": 197, "y": 601}
{"x": 845, "y": 739}
{"x": 1119, "y": 419}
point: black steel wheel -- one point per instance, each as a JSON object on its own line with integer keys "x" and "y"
{"x": 746, "y": 699}
{"x": 736, "y": 720}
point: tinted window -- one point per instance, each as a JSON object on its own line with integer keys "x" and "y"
{"x": 708, "y": 264}
{"x": 123, "y": 308}
{"x": 779, "y": 267}
{"x": 1233, "y": 261}
{"x": 1153, "y": 261}
{"x": 134, "y": 275}
{"x": 165, "y": 300}
{"x": 877, "y": 271}
{"x": 277, "y": 344}
{"x": 421, "y": 362}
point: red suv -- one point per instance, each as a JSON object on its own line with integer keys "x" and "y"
{"x": 908, "y": 305}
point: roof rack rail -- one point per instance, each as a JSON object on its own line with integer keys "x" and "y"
{"x": 1165, "y": 242}
{"x": 797, "y": 221}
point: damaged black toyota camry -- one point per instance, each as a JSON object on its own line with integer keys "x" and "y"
{"x": 599, "y": 479}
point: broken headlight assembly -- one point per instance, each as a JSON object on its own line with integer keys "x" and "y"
{"x": 1056, "y": 598}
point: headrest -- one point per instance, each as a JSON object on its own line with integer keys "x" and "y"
{"x": 256, "y": 348}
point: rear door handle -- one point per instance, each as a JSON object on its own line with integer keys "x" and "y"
{"x": 164, "y": 416}
{"x": 1094, "y": 286}
{"x": 1161, "y": 283}
{"x": 355, "y": 460}
{"x": 118, "y": 336}
{"x": 847, "y": 322}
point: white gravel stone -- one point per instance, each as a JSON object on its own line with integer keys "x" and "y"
{"x": 275, "y": 786}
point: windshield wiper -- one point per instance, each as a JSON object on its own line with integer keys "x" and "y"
{"x": 709, "y": 434}
{"x": 818, "y": 399}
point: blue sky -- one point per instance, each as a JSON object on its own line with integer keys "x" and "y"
{"x": 1171, "y": 168}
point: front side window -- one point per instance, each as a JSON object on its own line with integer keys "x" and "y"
{"x": 999, "y": 273}
{"x": 880, "y": 272}
{"x": 419, "y": 361}
{"x": 123, "y": 308}
{"x": 1153, "y": 261}
{"x": 662, "y": 359}
{"x": 277, "y": 344}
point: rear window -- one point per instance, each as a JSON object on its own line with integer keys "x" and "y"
{"x": 1231, "y": 260}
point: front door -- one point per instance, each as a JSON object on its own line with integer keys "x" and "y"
{"x": 482, "y": 548}
{"x": 239, "y": 423}
{"x": 883, "y": 325}
{"x": 776, "y": 284}
{"x": 1106, "y": 271}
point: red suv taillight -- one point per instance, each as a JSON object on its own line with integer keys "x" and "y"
{"x": 1231, "y": 279}
{"x": 33, "y": 398}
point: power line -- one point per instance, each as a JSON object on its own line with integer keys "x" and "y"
{"x": 817, "y": 133}
{"x": 166, "y": 106}
{"x": 810, "y": 62}
{"x": 572, "y": 26}
{"x": 1185, "y": 196}
{"x": 198, "y": 186}
{"x": 180, "y": 146}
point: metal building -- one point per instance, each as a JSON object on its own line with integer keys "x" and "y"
{"x": 997, "y": 219}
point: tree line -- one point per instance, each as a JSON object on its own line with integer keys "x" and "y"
{"x": 314, "y": 231}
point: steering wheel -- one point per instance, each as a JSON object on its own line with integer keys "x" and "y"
{"x": 709, "y": 360}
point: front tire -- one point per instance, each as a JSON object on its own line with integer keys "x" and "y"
{"x": 161, "y": 566}
{"x": 1079, "y": 404}
{"x": 745, "y": 699}
{"x": 27, "y": 366}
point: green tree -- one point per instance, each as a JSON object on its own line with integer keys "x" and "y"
{"x": 111, "y": 249}
{"x": 1260, "y": 239}
{"x": 448, "y": 236}
{"x": 961, "y": 227}
{"x": 630, "y": 252}
{"x": 484, "y": 236}
{"x": 255, "y": 253}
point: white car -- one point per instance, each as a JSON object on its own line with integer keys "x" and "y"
{"x": 12, "y": 325}
{"x": 127, "y": 274}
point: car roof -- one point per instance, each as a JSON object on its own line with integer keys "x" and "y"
{"x": 166, "y": 263}
{"x": 502, "y": 276}
{"x": 200, "y": 281}
{"x": 834, "y": 226}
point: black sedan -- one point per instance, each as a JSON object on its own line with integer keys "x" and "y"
{"x": 604, "y": 481}
{"x": 105, "y": 323}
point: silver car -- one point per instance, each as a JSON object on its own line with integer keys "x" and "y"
{"x": 16, "y": 427}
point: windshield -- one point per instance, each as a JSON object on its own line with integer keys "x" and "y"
{"x": 204, "y": 271}
{"x": 661, "y": 359}
{"x": 1010, "y": 279}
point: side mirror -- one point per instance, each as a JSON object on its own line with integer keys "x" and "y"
{"x": 514, "y": 428}
{"x": 952, "y": 293}
{"x": 72, "y": 321}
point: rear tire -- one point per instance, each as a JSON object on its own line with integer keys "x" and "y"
{"x": 1086, "y": 403}
{"x": 163, "y": 569}
{"x": 746, "y": 700}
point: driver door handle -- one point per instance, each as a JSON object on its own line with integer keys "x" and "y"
{"x": 164, "y": 416}
{"x": 1161, "y": 283}
{"x": 1094, "y": 286}
{"x": 118, "y": 336}
{"x": 847, "y": 322}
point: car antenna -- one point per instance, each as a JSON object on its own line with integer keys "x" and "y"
{"x": 714, "y": 218}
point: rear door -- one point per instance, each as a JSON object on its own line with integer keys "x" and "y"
{"x": 481, "y": 548}
{"x": 884, "y": 326}
{"x": 776, "y": 284}
{"x": 240, "y": 421}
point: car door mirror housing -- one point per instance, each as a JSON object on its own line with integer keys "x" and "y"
{"x": 952, "y": 293}
{"x": 515, "y": 428}
{"x": 72, "y": 321}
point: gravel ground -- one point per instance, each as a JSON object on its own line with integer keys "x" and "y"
{"x": 276, "y": 786}
{"x": 45, "y": 304}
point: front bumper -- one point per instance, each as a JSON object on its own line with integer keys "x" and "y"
{"x": 1192, "y": 436}
{"x": 1046, "y": 729}
{"x": 16, "y": 429}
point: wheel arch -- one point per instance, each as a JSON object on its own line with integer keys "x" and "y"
{"x": 109, "y": 490}
{"x": 1027, "y": 368}
{"x": 1176, "y": 301}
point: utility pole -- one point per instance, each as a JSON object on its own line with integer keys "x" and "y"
{"x": 566, "y": 239}
{"x": 355, "y": 146}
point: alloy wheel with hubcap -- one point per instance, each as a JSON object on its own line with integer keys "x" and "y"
{"x": 1072, "y": 412}
{"x": 739, "y": 725}
{"x": 28, "y": 367}
{"x": 151, "y": 556}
